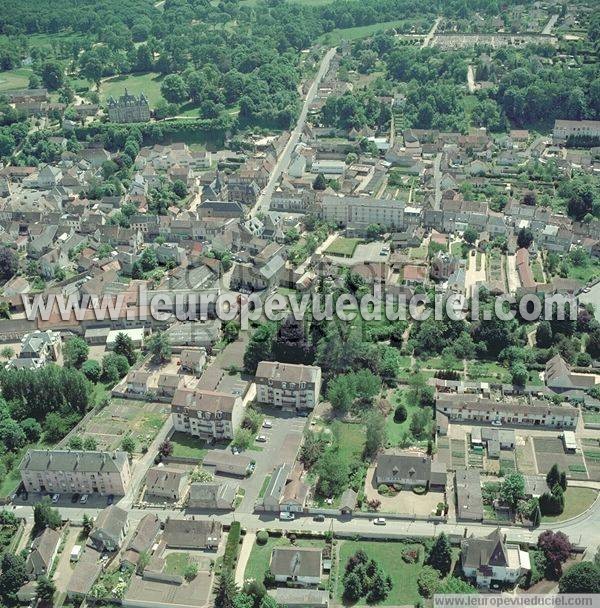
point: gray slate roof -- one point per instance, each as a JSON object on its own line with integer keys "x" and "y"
{"x": 74, "y": 460}
{"x": 296, "y": 561}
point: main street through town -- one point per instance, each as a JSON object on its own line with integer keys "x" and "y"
{"x": 283, "y": 161}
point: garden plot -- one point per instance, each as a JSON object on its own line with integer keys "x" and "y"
{"x": 122, "y": 417}
{"x": 550, "y": 450}
{"x": 525, "y": 456}
{"x": 443, "y": 451}
{"x": 458, "y": 451}
{"x": 591, "y": 453}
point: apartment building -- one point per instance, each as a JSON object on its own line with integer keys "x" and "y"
{"x": 288, "y": 385}
{"x": 462, "y": 408}
{"x": 75, "y": 471}
{"x": 572, "y": 128}
{"x": 206, "y": 414}
{"x": 360, "y": 212}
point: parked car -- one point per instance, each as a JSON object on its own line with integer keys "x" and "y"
{"x": 110, "y": 499}
{"x": 379, "y": 521}
{"x": 74, "y": 498}
{"x": 261, "y": 439}
{"x": 83, "y": 499}
{"x": 55, "y": 498}
{"x": 267, "y": 424}
{"x": 319, "y": 518}
{"x": 496, "y": 423}
{"x": 285, "y": 516}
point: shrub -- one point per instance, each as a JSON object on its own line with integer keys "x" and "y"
{"x": 410, "y": 556}
{"x": 383, "y": 489}
{"x": 428, "y": 581}
{"x": 420, "y": 490}
{"x": 232, "y": 545}
{"x": 262, "y": 537}
{"x": 400, "y": 414}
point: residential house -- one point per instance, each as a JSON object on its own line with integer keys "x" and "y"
{"x": 166, "y": 482}
{"x": 559, "y": 377}
{"x": 142, "y": 540}
{"x": 192, "y": 534}
{"x": 410, "y": 470}
{"x": 297, "y": 566}
{"x": 44, "y": 549}
{"x": 490, "y": 559}
{"x": 109, "y": 529}
{"x": 212, "y": 495}
{"x": 137, "y": 382}
{"x": 192, "y": 361}
{"x": 469, "y": 500}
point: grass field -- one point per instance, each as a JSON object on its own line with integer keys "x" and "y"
{"x": 577, "y": 500}
{"x": 175, "y": 563}
{"x": 591, "y": 416}
{"x": 584, "y": 273}
{"x": 388, "y": 555}
{"x": 14, "y": 79}
{"x": 354, "y": 33}
{"x": 148, "y": 83}
{"x": 260, "y": 556}
{"x": 185, "y": 446}
{"x": 264, "y": 486}
{"x": 343, "y": 246}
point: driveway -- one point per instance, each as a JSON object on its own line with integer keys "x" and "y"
{"x": 64, "y": 568}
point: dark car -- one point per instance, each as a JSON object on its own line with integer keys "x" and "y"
{"x": 319, "y": 518}
{"x": 110, "y": 499}
{"x": 74, "y": 498}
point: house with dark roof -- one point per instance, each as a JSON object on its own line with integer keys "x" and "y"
{"x": 409, "y": 470}
{"x": 192, "y": 534}
{"x": 43, "y": 552}
{"x": 298, "y": 566}
{"x": 142, "y": 540}
{"x": 109, "y": 529}
{"x": 490, "y": 559}
{"x": 469, "y": 501}
{"x": 166, "y": 482}
{"x": 212, "y": 495}
{"x": 559, "y": 377}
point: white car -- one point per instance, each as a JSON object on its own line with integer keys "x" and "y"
{"x": 83, "y": 499}
{"x": 379, "y": 521}
{"x": 496, "y": 423}
{"x": 285, "y": 516}
{"x": 55, "y": 498}
{"x": 267, "y": 424}
{"x": 261, "y": 439}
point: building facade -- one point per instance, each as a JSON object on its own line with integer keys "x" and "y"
{"x": 76, "y": 471}
{"x": 129, "y": 108}
{"x": 288, "y": 385}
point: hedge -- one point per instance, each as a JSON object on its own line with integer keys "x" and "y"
{"x": 232, "y": 545}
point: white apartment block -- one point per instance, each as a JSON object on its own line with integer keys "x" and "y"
{"x": 359, "y": 212}
{"x": 288, "y": 385}
{"x": 206, "y": 414}
{"x": 76, "y": 471}
{"x": 572, "y": 128}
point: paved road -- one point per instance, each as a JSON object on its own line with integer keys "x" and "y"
{"x": 471, "y": 79}
{"x": 584, "y": 529}
{"x": 548, "y": 28}
{"x": 431, "y": 33}
{"x": 264, "y": 200}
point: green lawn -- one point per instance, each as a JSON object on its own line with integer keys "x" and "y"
{"x": 148, "y": 83}
{"x": 343, "y": 246}
{"x": 15, "y": 79}
{"x": 389, "y": 556}
{"x": 185, "y": 446}
{"x": 487, "y": 371}
{"x": 584, "y": 273}
{"x": 260, "y": 556}
{"x": 577, "y": 500}
{"x": 591, "y": 416}
{"x": 351, "y": 440}
{"x": 10, "y": 482}
{"x": 439, "y": 363}
{"x": 354, "y": 33}
{"x": 175, "y": 563}
{"x": 263, "y": 488}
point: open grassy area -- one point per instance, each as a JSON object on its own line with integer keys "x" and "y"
{"x": 354, "y": 33}
{"x": 14, "y": 79}
{"x": 351, "y": 439}
{"x": 175, "y": 563}
{"x": 487, "y": 371}
{"x": 591, "y": 416}
{"x": 343, "y": 246}
{"x": 389, "y": 556}
{"x": 185, "y": 446}
{"x": 260, "y": 557}
{"x": 148, "y": 83}
{"x": 577, "y": 500}
{"x": 264, "y": 486}
{"x": 584, "y": 273}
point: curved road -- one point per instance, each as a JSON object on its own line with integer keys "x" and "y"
{"x": 264, "y": 199}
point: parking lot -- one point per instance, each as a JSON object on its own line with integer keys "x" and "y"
{"x": 283, "y": 442}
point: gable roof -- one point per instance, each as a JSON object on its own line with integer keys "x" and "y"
{"x": 484, "y": 553}
{"x": 296, "y": 561}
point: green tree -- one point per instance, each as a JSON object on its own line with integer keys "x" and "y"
{"x": 87, "y": 524}
{"x": 45, "y": 589}
{"x": 160, "y": 347}
{"x": 52, "y": 75}
{"x": 124, "y": 346}
{"x": 75, "y": 352}
{"x": 333, "y": 474}
{"x": 341, "y": 393}
{"x": 13, "y": 576}
{"x": 226, "y": 590}
{"x": 9, "y": 262}
{"x": 440, "y": 556}
{"x": 174, "y": 89}
{"x": 470, "y": 235}
{"x": 45, "y": 516}
{"x": 231, "y": 331}
{"x": 512, "y": 489}
{"x": 90, "y": 443}
{"x": 92, "y": 370}
{"x": 320, "y": 182}
{"x": 583, "y": 577}
{"x": 375, "y": 433}
{"x": 12, "y": 436}
{"x": 128, "y": 444}
{"x": 553, "y": 476}
{"x": 519, "y": 374}
{"x": 353, "y": 587}
{"x": 525, "y": 238}
{"x": 260, "y": 347}
{"x": 75, "y": 442}
{"x": 543, "y": 335}
{"x": 32, "y": 429}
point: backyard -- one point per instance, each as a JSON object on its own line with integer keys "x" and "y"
{"x": 343, "y": 246}
{"x": 186, "y": 446}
